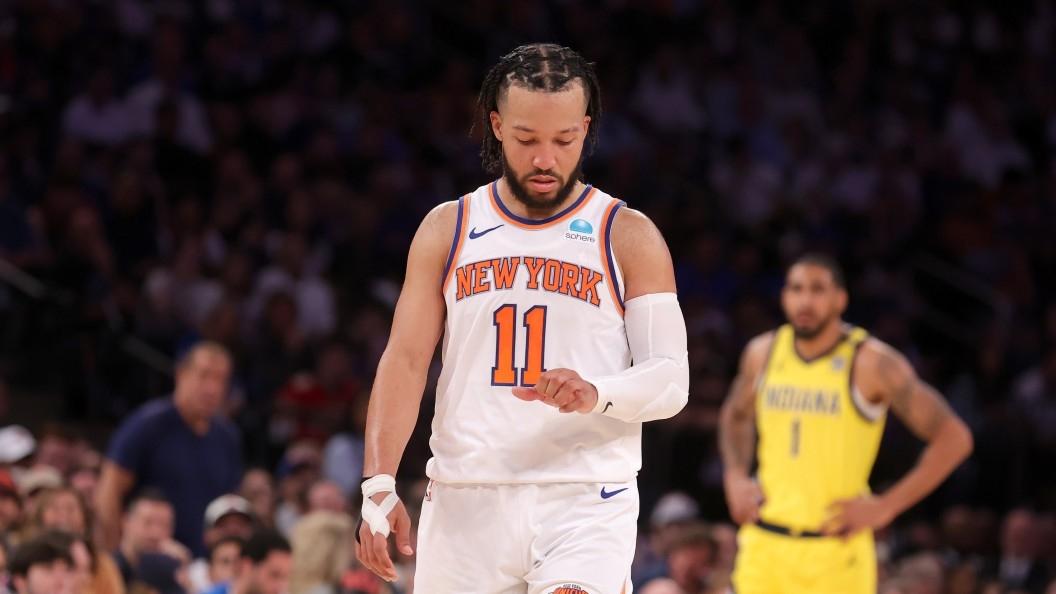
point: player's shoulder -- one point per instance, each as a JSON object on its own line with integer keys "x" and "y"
{"x": 876, "y": 358}
{"x": 641, "y": 253}
{"x": 443, "y": 215}
{"x": 757, "y": 351}
{"x": 634, "y": 235}
{"x": 633, "y": 224}
{"x": 437, "y": 228}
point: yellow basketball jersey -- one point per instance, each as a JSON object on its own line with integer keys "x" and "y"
{"x": 818, "y": 436}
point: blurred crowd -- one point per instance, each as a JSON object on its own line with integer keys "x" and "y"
{"x": 250, "y": 173}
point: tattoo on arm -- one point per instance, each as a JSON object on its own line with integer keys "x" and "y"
{"x": 916, "y": 403}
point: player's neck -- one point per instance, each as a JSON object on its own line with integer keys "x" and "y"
{"x": 825, "y": 341}
{"x": 520, "y": 209}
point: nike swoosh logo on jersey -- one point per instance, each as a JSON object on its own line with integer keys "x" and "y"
{"x": 473, "y": 232}
{"x": 607, "y": 405}
{"x": 606, "y": 494}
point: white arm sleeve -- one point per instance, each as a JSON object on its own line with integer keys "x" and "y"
{"x": 657, "y": 385}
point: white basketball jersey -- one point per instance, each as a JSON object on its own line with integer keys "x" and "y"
{"x": 524, "y": 296}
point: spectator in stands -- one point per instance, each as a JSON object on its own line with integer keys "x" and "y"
{"x": 1020, "y": 565}
{"x": 41, "y": 566}
{"x": 62, "y": 509}
{"x": 264, "y": 567}
{"x": 10, "y": 503}
{"x": 84, "y": 564}
{"x": 299, "y": 470}
{"x": 223, "y": 563}
{"x": 84, "y": 479}
{"x": 690, "y": 555}
{"x": 161, "y": 574}
{"x": 179, "y": 446}
{"x": 326, "y": 496}
{"x": 921, "y": 574}
{"x": 322, "y": 551}
{"x": 55, "y": 448}
{"x": 259, "y": 489}
{"x": 35, "y": 481}
{"x": 228, "y": 516}
{"x": 343, "y": 452}
{"x": 5, "y": 573}
{"x": 671, "y": 514}
{"x": 147, "y": 526}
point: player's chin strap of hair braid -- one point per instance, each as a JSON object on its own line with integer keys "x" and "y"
{"x": 377, "y": 515}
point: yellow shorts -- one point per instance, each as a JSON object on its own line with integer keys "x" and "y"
{"x": 769, "y": 563}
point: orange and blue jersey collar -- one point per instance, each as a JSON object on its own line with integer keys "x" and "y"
{"x": 526, "y": 223}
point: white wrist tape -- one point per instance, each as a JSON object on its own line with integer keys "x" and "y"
{"x": 377, "y": 516}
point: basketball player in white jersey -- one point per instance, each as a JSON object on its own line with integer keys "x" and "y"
{"x": 562, "y": 334}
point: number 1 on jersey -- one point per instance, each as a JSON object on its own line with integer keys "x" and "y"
{"x": 795, "y": 437}
{"x": 504, "y": 373}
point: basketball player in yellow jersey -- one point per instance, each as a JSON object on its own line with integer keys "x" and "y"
{"x": 816, "y": 391}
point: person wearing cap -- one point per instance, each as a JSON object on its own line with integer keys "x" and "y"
{"x": 671, "y": 512}
{"x": 37, "y": 479}
{"x": 181, "y": 446}
{"x": 227, "y": 516}
{"x": 264, "y": 567}
{"x": 16, "y": 445}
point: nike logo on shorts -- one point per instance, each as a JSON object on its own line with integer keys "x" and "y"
{"x": 606, "y": 494}
{"x": 473, "y": 232}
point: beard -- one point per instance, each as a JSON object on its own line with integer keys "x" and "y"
{"x": 533, "y": 201}
{"x": 810, "y": 332}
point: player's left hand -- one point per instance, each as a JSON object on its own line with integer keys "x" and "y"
{"x": 563, "y": 389}
{"x": 849, "y": 516}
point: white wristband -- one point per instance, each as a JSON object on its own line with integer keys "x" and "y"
{"x": 377, "y": 516}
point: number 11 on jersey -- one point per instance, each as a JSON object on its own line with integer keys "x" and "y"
{"x": 504, "y": 373}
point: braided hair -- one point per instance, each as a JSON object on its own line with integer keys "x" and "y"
{"x": 543, "y": 67}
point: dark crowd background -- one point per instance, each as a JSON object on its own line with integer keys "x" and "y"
{"x": 251, "y": 173}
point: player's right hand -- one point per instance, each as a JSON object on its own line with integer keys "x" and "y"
{"x": 743, "y": 497}
{"x": 372, "y": 550}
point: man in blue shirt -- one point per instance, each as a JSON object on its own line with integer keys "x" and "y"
{"x": 179, "y": 446}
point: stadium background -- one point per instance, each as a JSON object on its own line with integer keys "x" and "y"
{"x": 252, "y": 172}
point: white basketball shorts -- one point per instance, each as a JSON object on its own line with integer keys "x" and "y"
{"x": 564, "y": 538}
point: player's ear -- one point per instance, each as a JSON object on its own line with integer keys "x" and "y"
{"x": 496, "y": 125}
{"x": 841, "y": 300}
{"x": 586, "y": 125}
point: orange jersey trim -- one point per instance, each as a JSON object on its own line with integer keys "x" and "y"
{"x": 530, "y": 225}
{"x": 607, "y": 258}
{"x": 457, "y": 241}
